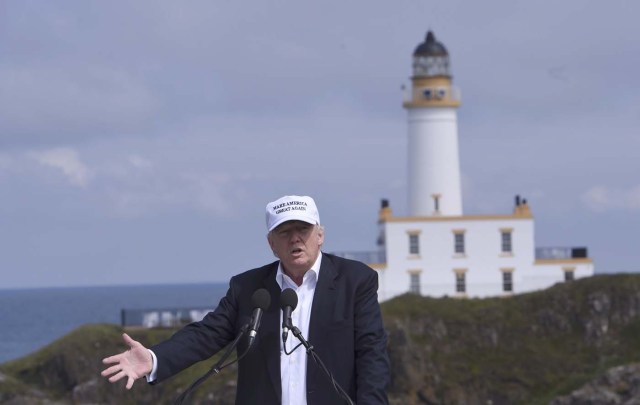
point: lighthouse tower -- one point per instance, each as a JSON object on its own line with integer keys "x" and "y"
{"x": 434, "y": 167}
{"x": 436, "y": 250}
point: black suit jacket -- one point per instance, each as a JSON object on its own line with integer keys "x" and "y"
{"x": 345, "y": 330}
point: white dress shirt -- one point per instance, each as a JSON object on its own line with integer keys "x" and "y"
{"x": 293, "y": 367}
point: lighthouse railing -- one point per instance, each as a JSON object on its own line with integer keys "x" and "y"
{"x": 371, "y": 257}
{"x": 561, "y": 253}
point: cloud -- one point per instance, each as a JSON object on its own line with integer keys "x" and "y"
{"x": 5, "y": 165}
{"x": 148, "y": 192}
{"x": 5, "y": 161}
{"x": 140, "y": 162}
{"x": 206, "y": 112}
{"x": 601, "y": 199}
{"x": 67, "y": 161}
{"x": 53, "y": 104}
{"x": 136, "y": 185}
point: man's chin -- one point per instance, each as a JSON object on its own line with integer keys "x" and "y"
{"x": 297, "y": 262}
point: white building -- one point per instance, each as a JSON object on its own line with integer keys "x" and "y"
{"x": 437, "y": 250}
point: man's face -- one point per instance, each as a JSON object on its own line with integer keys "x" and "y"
{"x": 296, "y": 244}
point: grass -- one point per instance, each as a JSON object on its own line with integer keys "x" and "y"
{"x": 527, "y": 349}
{"x": 533, "y": 347}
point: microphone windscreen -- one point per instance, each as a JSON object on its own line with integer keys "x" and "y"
{"x": 288, "y": 298}
{"x": 261, "y": 299}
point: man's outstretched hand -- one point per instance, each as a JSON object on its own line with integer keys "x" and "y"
{"x": 133, "y": 364}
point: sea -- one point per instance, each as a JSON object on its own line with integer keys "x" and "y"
{"x": 32, "y": 318}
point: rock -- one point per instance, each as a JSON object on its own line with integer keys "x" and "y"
{"x": 85, "y": 393}
{"x": 618, "y": 386}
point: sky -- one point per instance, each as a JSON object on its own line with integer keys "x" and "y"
{"x": 141, "y": 141}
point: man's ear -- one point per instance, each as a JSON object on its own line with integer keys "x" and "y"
{"x": 271, "y": 245}
{"x": 320, "y": 235}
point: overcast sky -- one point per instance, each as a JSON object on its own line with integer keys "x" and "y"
{"x": 140, "y": 141}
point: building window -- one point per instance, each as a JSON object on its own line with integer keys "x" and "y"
{"x": 569, "y": 273}
{"x": 414, "y": 244}
{"x": 436, "y": 203}
{"x": 461, "y": 285}
{"x": 461, "y": 281}
{"x": 414, "y": 283}
{"x": 507, "y": 281}
{"x": 506, "y": 245}
{"x": 458, "y": 243}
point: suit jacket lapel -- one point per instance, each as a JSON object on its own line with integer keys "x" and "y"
{"x": 324, "y": 300}
{"x": 270, "y": 331}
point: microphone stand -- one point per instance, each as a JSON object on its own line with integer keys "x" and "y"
{"x": 215, "y": 369}
{"x": 296, "y": 332}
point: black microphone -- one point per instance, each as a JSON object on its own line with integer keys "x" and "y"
{"x": 261, "y": 301}
{"x": 288, "y": 302}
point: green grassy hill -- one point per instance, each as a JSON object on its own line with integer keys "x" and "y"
{"x": 522, "y": 349}
{"x": 526, "y": 349}
{"x": 68, "y": 371}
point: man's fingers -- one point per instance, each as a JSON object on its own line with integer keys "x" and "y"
{"x": 111, "y": 370}
{"x": 124, "y": 363}
{"x": 117, "y": 377}
{"x": 112, "y": 359}
{"x": 130, "y": 342}
{"x": 130, "y": 382}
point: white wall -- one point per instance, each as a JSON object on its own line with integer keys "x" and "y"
{"x": 434, "y": 166}
{"x": 483, "y": 258}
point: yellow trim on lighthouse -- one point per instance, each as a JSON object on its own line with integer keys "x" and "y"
{"x": 443, "y": 94}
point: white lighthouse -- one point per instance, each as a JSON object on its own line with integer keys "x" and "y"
{"x": 435, "y": 249}
{"x": 434, "y": 167}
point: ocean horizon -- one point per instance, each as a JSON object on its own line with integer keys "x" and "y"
{"x": 32, "y": 318}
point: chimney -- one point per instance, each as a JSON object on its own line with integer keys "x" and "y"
{"x": 385, "y": 210}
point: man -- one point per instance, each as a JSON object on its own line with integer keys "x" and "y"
{"x": 337, "y": 312}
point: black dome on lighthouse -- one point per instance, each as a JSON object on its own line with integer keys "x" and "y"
{"x": 430, "y": 47}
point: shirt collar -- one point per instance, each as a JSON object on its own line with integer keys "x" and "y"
{"x": 282, "y": 278}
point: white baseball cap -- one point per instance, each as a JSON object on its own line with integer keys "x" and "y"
{"x": 292, "y": 208}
